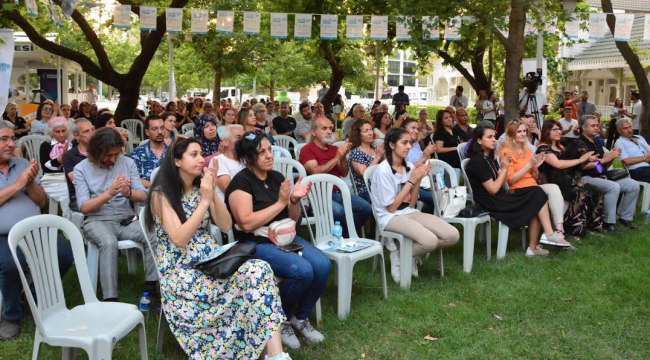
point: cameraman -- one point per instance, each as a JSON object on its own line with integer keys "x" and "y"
{"x": 532, "y": 98}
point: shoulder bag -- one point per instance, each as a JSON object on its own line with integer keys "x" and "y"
{"x": 226, "y": 263}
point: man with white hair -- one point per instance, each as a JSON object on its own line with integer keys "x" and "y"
{"x": 228, "y": 164}
{"x": 321, "y": 157}
{"x": 358, "y": 114}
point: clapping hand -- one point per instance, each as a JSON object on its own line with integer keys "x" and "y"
{"x": 420, "y": 172}
{"x": 125, "y": 189}
{"x": 430, "y": 149}
{"x": 207, "y": 185}
{"x": 29, "y": 174}
{"x": 506, "y": 160}
{"x": 285, "y": 192}
{"x": 215, "y": 170}
{"x": 300, "y": 190}
{"x": 344, "y": 149}
{"x": 381, "y": 150}
{"x": 537, "y": 160}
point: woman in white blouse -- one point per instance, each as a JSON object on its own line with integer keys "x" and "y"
{"x": 491, "y": 108}
{"x": 395, "y": 187}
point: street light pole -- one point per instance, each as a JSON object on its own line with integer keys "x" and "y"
{"x": 378, "y": 53}
{"x": 172, "y": 83}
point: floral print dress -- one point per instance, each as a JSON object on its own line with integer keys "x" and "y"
{"x": 229, "y": 319}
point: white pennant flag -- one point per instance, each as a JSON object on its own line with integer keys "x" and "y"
{"x": 354, "y": 27}
{"x": 329, "y": 27}
{"x": 452, "y": 29}
{"x": 199, "y": 21}
{"x": 572, "y": 29}
{"x": 623, "y": 30}
{"x": 279, "y": 25}
{"x": 32, "y": 9}
{"x": 68, "y": 7}
{"x": 252, "y": 22}
{"x": 6, "y": 63}
{"x": 174, "y": 17}
{"x": 302, "y": 27}
{"x": 148, "y": 18}
{"x": 379, "y": 27}
{"x": 122, "y": 16}
{"x": 403, "y": 28}
{"x": 646, "y": 29}
{"x": 597, "y": 26}
{"x": 225, "y": 21}
{"x": 430, "y": 28}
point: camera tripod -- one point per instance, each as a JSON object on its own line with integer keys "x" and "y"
{"x": 531, "y": 103}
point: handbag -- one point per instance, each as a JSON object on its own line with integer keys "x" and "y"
{"x": 452, "y": 200}
{"x": 616, "y": 174}
{"x": 472, "y": 212}
{"x": 282, "y": 232}
{"x": 226, "y": 263}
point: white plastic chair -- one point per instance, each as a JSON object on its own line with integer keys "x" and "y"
{"x": 143, "y": 142}
{"x": 93, "y": 258}
{"x": 32, "y": 144}
{"x": 645, "y": 202}
{"x": 94, "y": 326}
{"x": 378, "y": 142}
{"x": 461, "y": 150}
{"x": 130, "y": 142}
{"x": 285, "y": 141}
{"x": 405, "y": 243}
{"x": 175, "y": 132}
{"x": 135, "y": 126}
{"x": 320, "y": 197}
{"x": 189, "y": 133}
{"x": 187, "y": 127}
{"x": 288, "y": 168}
{"x": 296, "y": 150}
{"x": 504, "y": 230}
{"x": 469, "y": 224}
{"x": 282, "y": 151}
{"x": 338, "y": 143}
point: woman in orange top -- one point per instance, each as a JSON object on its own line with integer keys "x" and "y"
{"x": 524, "y": 172}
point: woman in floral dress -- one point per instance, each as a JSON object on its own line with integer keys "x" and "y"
{"x": 235, "y": 318}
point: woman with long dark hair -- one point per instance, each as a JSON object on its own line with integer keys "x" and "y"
{"x": 84, "y": 112}
{"x": 259, "y": 196}
{"x": 446, "y": 142}
{"x": 169, "y": 124}
{"x": 383, "y": 123}
{"x": 203, "y": 313}
{"x": 105, "y": 120}
{"x": 44, "y": 113}
{"x": 363, "y": 154}
{"x": 395, "y": 189}
{"x": 585, "y": 200}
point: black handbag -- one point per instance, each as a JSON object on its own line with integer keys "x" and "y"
{"x": 472, "y": 211}
{"x": 226, "y": 263}
{"x": 616, "y": 174}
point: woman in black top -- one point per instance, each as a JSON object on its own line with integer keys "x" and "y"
{"x": 258, "y": 196}
{"x": 585, "y": 201}
{"x": 446, "y": 143}
{"x": 20, "y": 125}
{"x": 57, "y": 143}
{"x": 525, "y": 206}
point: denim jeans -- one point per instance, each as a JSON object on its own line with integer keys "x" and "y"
{"x": 10, "y": 283}
{"x": 361, "y": 211}
{"x": 303, "y": 277}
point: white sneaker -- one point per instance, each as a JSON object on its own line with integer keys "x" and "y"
{"x": 394, "y": 265}
{"x": 553, "y": 240}
{"x": 414, "y": 268}
{"x": 307, "y": 331}
{"x": 539, "y": 252}
{"x": 289, "y": 338}
{"x": 283, "y": 356}
{"x": 389, "y": 244}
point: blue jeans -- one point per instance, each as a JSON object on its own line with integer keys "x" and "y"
{"x": 361, "y": 211}
{"x": 10, "y": 283}
{"x": 303, "y": 277}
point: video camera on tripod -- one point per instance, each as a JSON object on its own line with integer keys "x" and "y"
{"x": 532, "y": 80}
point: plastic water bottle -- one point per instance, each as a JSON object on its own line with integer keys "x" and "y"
{"x": 337, "y": 232}
{"x": 145, "y": 303}
{"x": 647, "y": 217}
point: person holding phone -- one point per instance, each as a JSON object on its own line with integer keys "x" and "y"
{"x": 258, "y": 196}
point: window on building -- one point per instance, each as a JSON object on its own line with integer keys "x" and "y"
{"x": 393, "y": 80}
{"x": 409, "y": 68}
{"x": 393, "y": 67}
{"x": 408, "y": 80}
{"x": 395, "y": 55}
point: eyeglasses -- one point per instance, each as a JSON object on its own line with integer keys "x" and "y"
{"x": 47, "y": 108}
{"x": 556, "y": 130}
{"x": 6, "y": 139}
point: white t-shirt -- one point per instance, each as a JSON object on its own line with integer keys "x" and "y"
{"x": 614, "y": 111}
{"x": 488, "y": 105}
{"x": 226, "y": 167}
{"x": 384, "y": 188}
{"x": 91, "y": 96}
{"x": 566, "y": 125}
{"x": 379, "y": 133}
{"x": 636, "y": 110}
{"x": 462, "y": 99}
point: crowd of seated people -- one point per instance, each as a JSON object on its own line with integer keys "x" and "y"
{"x": 224, "y": 175}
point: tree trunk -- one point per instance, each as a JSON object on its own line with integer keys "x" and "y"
{"x": 633, "y": 61}
{"x": 272, "y": 89}
{"x": 217, "y": 88}
{"x": 336, "y": 81}
{"x": 129, "y": 97}
{"x": 514, "y": 46}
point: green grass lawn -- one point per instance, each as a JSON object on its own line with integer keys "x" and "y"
{"x": 586, "y": 304}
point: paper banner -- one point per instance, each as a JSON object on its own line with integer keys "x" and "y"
{"x": 379, "y": 28}
{"x": 55, "y": 15}
{"x": 122, "y": 16}
{"x": 6, "y": 62}
{"x": 623, "y": 30}
{"x": 225, "y": 21}
{"x": 452, "y": 29}
{"x": 67, "y": 7}
{"x": 199, "y": 21}
{"x": 32, "y": 8}
{"x": 174, "y": 20}
{"x": 430, "y": 28}
{"x": 279, "y": 25}
{"x": 48, "y": 9}
{"x": 252, "y": 22}
{"x": 329, "y": 25}
{"x": 597, "y": 26}
{"x": 148, "y": 18}
{"x": 646, "y": 29}
{"x": 354, "y": 27}
{"x": 302, "y": 26}
{"x": 572, "y": 29}
{"x": 403, "y": 28}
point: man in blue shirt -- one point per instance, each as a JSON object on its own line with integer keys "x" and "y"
{"x": 21, "y": 196}
{"x": 150, "y": 155}
{"x": 635, "y": 151}
{"x": 401, "y": 99}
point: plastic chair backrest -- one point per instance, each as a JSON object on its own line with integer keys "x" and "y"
{"x": 437, "y": 166}
{"x": 463, "y": 164}
{"x": 282, "y": 151}
{"x": 147, "y": 235}
{"x": 286, "y": 167}
{"x": 338, "y": 143}
{"x": 32, "y": 145}
{"x": 367, "y": 176}
{"x": 296, "y": 150}
{"x": 145, "y": 141}
{"x": 461, "y": 150}
{"x": 135, "y": 126}
{"x": 320, "y": 198}
{"x": 187, "y": 127}
{"x": 189, "y": 133}
{"x": 130, "y": 142}
{"x": 285, "y": 141}
{"x": 175, "y": 132}
{"x": 378, "y": 142}
{"x": 36, "y": 237}
{"x": 154, "y": 172}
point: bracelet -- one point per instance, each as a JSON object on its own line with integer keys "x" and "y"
{"x": 411, "y": 182}
{"x": 130, "y": 193}
{"x": 579, "y": 162}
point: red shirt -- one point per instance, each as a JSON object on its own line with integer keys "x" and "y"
{"x": 312, "y": 152}
{"x": 574, "y": 110}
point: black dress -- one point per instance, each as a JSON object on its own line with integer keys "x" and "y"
{"x": 19, "y": 124}
{"x": 585, "y": 201}
{"x": 514, "y": 209}
{"x": 448, "y": 140}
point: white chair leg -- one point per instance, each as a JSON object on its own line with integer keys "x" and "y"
{"x": 345, "y": 267}
{"x": 646, "y": 198}
{"x": 374, "y": 262}
{"x": 442, "y": 264}
{"x": 162, "y": 325}
{"x": 488, "y": 238}
{"x": 37, "y": 347}
{"x": 68, "y": 353}
{"x": 405, "y": 258}
{"x": 319, "y": 314}
{"x": 92, "y": 257}
{"x": 503, "y": 241}
{"x": 383, "y": 275}
{"x": 102, "y": 349}
{"x": 131, "y": 261}
{"x": 469, "y": 232}
{"x": 142, "y": 339}
{"x": 523, "y": 239}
